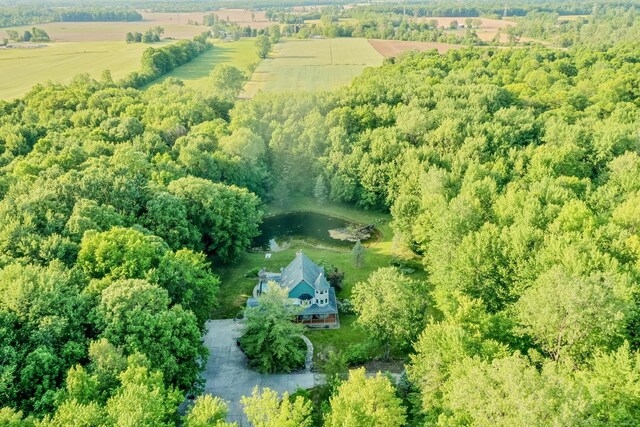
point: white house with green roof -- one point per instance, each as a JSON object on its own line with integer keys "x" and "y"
{"x": 307, "y": 287}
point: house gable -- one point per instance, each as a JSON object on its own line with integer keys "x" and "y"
{"x": 301, "y": 288}
{"x": 302, "y": 269}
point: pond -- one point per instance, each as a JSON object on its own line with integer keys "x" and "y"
{"x": 313, "y": 228}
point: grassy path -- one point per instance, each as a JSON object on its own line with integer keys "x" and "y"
{"x": 195, "y": 74}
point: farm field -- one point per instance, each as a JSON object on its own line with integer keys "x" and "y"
{"x": 23, "y": 68}
{"x": 486, "y": 32}
{"x": 308, "y": 65}
{"x": 244, "y": 17}
{"x": 390, "y": 48}
{"x": 195, "y": 74}
{"x": 341, "y": 21}
{"x": 175, "y": 26}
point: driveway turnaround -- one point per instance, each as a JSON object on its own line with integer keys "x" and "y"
{"x": 228, "y": 376}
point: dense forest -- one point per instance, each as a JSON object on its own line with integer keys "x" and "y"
{"x": 513, "y": 175}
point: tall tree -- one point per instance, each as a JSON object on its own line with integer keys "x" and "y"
{"x": 226, "y": 216}
{"x": 142, "y": 399}
{"x": 207, "y": 411}
{"x": 188, "y": 279}
{"x": 365, "y": 402}
{"x": 391, "y": 307}
{"x": 271, "y": 339}
{"x": 264, "y": 46}
{"x": 320, "y": 191}
{"x": 227, "y": 81}
{"x": 573, "y": 316}
{"x": 266, "y": 409}
{"x": 136, "y": 316}
{"x": 120, "y": 253}
{"x": 358, "y": 253}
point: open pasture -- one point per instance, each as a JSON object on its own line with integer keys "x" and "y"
{"x": 309, "y": 65}
{"x": 175, "y": 25}
{"x": 23, "y": 68}
{"x": 195, "y": 74}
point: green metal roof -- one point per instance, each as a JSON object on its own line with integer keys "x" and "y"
{"x": 303, "y": 269}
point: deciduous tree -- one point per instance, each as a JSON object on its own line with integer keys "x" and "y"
{"x": 365, "y": 402}
{"x": 266, "y": 409}
{"x": 391, "y": 307}
{"x": 270, "y": 339}
{"x": 264, "y": 46}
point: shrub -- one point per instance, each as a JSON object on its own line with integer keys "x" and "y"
{"x": 252, "y": 273}
{"x": 345, "y": 306}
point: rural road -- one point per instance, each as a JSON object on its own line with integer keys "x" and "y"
{"x": 228, "y": 377}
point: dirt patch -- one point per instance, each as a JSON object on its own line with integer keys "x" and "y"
{"x": 162, "y": 18}
{"x": 244, "y": 17}
{"x": 390, "y": 48}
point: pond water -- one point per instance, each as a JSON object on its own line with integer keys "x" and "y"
{"x": 313, "y": 228}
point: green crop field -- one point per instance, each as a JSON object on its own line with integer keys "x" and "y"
{"x": 23, "y": 68}
{"x": 307, "y": 65}
{"x": 195, "y": 74}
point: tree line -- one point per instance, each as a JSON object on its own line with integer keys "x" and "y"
{"x": 17, "y": 15}
{"x": 157, "y": 62}
{"x": 35, "y": 35}
{"x": 152, "y": 35}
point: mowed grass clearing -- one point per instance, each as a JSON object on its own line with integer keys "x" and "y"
{"x": 310, "y": 65}
{"x": 21, "y": 69}
{"x": 195, "y": 74}
{"x": 237, "y": 285}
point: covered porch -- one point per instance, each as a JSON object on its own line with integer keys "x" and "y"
{"x": 319, "y": 320}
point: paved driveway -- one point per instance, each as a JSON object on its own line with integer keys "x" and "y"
{"x": 228, "y": 377}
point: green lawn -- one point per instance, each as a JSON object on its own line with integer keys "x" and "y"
{"x": 23, "y": 68}
{"x": 195, "y": 74}
{"x": 236, "y": 288}
{"x": 315, "y": 64}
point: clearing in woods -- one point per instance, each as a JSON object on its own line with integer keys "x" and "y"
{"x": 308, "y": 65}
{"x": 195, "y": 74}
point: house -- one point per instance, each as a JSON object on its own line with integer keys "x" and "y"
{"x": 307, "y": 287}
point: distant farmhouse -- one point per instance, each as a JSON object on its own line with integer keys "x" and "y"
{"x": 307, "y": 286}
